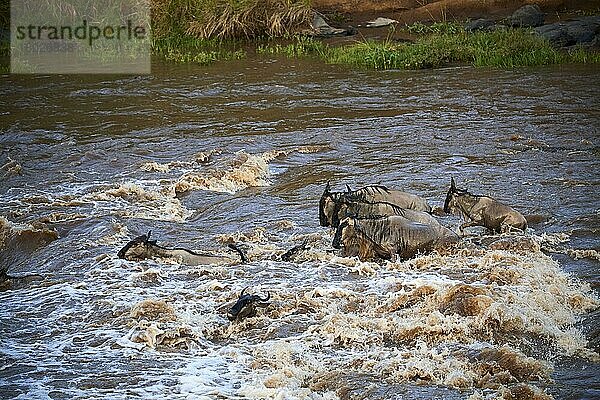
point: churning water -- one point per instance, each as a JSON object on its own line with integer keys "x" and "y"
{"x": 242, "y": 151}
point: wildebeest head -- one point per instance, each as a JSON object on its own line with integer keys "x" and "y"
{"x": 326, "y": 206}
{"x": 344, "y": 230}
{"x": 453, "y": 194}
{"x": 137, "y": 249}
{"x": 340, "y": 207}
{"x": 245, "y": 306}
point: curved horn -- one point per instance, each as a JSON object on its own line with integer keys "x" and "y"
{"x": 148, "y": 236}
{"x": 452, "y": 184}
{"x": 244, "y": 291}
{"x": 348, "y": 188}
{"x": 327, "y": 187}
{"x": 267, "y": 298}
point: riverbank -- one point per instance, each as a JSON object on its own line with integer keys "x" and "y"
{"x": 449, "y": 44}
{"x": 405, "y": 34}
{"x": 422, "y": 46}
{"x": 378, "y": 35}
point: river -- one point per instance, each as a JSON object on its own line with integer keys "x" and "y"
{"x": 242, "y": 151}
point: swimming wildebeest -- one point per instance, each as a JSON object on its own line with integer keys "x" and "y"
{"x": 368, "y": 194}
{"x": 10, "y": 282}
{"x": 387, "y": 237}
{"x": 482, "y": 211}
{"x": 142, "y": 247}
{"x": 294, "y": 251}
{"x": 245, "y": 306}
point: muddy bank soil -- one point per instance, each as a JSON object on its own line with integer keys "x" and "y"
{"x": 357, "y": 12}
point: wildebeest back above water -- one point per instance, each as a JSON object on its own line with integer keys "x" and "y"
{"x": 482, "y": 211}
{"x": 379, "y": 193}
{"x": 386, "y": 237}
{"x": 368, "y": 194}
{"x": 346, "y": 208}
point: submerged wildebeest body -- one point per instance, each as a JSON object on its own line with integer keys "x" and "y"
{"x": 387, "y": 237}
{"x": 367, "y": 194}
{"x": 245, "y": 306}
{"x": 294, "y": 251}
{"x": 344, "y": 208}
{"x": 10, "y": 282}
{"x": 142, "y": 248}
{"x": 482, "y": 211}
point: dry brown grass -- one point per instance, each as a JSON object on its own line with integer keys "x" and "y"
{"x": 229, "y": 18}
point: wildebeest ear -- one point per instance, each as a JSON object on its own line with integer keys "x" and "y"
{"x": 452, "y": 184}
{"x": 327, "y": 187}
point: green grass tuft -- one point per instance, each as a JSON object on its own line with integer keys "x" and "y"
{"x": 300, "y": 47}
{"x": 581, "y": 55}
{"x": 510, "y": 48}
{"x": 503, "y": 49}
{"x": 185, "y": 49}
{"x": 419, "y": 28}
{"x": 4, "y": 48}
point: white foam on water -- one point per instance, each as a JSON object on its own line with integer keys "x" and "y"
{"x": 459, "y": 320}
{"x": 156, "y": 199}
{"x": 241, "y": 171}
{"x": 218, "y": 374}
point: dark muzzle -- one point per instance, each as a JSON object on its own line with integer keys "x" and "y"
{"x": 337, "y": 239}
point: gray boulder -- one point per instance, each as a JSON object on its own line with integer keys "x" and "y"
{"x": 528, "y": 16}
{"x": 498, "y": 27}
{"x": 481, "y": 24}
{"x": 557, "y": 34}
{"x": 582, "y": 30}
{"x": 320, "y": 28}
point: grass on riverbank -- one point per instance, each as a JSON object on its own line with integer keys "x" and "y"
{"x": 228, "y": 18}
{"x": 302, "y": 46}
{"x": 205, "y": 31}
{"x": 186, "y": 49}
{"x": 503, "y": 49}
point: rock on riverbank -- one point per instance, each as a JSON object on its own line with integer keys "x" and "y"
{"x": 559, "y": 21}
{"x": 575, "y": 31}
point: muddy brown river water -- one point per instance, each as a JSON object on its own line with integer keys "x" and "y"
{"x": 241, "y": 151}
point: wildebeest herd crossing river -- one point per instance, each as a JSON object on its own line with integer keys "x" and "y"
{"x": 240, "y": 154}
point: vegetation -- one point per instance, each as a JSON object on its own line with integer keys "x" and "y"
{"x": 5, "y": 15}
{"x": 228, "y": 18}
{"x": 185, "y": 49}
{"x": 301, "y": 47}
{"x": 419, "y": 28}
{"x": 205, "y": 31}
{"x": 513, "y": 48}
{"x": 444, "y": 44}
{"x": 4, "y": 48}
{"x": 582, "y": 56}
